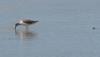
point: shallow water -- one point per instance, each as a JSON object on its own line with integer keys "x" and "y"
{"x": 65, "y": 28}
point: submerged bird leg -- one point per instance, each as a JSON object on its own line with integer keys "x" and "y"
{"x": 26, "y": 28}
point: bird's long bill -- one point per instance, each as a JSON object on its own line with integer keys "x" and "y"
{"x": 16, "y": 25}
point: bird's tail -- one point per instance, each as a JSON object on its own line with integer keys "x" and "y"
{"x": 35, "y": 21}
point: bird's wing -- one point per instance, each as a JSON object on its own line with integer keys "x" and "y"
{"x": 28, "y": 21}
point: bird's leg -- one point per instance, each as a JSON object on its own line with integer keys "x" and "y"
{"x": 26, "y": 28}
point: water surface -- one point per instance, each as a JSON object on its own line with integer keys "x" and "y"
{"x": 64, "y": 28}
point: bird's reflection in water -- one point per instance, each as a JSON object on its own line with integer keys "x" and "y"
{"x": 25, "y": 35}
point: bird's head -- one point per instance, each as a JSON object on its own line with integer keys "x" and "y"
{"x": 17, "y": 24}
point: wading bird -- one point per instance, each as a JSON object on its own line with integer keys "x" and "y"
{"x": 25, "y": 23}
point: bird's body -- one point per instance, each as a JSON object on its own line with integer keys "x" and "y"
{"x": 26, "y": 22}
